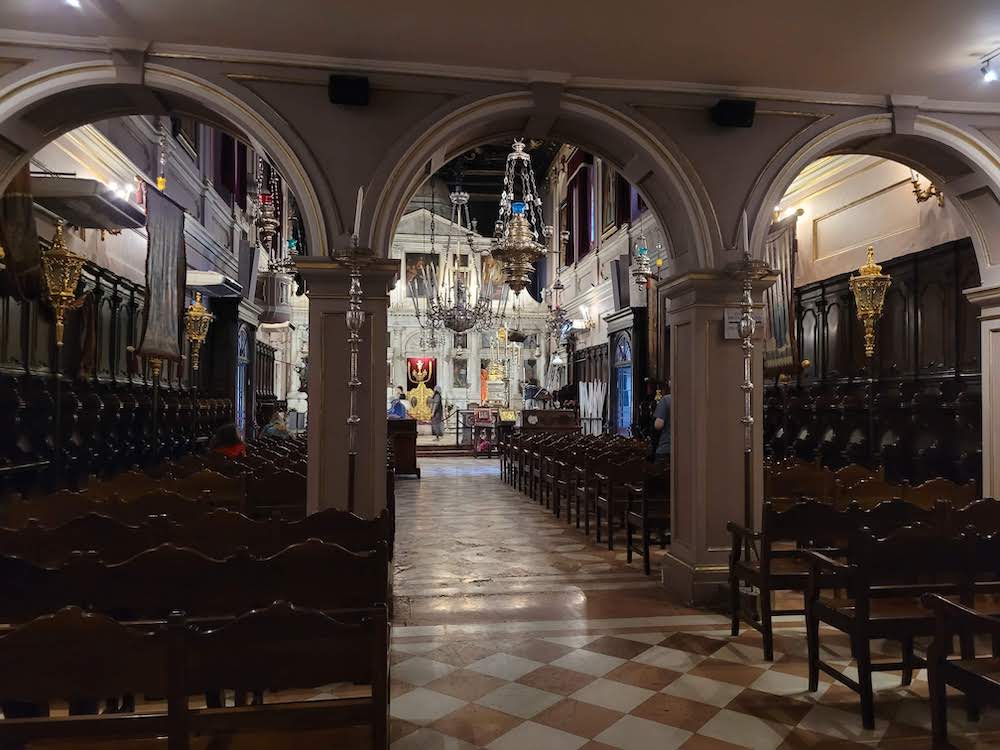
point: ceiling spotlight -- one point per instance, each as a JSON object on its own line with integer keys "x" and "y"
{"x": 73, "y": 3}
{"x": 989, "y": 75}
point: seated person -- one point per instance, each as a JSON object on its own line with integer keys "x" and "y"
{"x": 399, "y": 407}
{"x": 277, "y": 427}
{"x": 227, "y": 441}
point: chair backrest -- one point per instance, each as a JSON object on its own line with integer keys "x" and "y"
{"x": 110, "y": 539}
{"x": 913, "y": 552}
{"x": 870, "y": 492}
{"x": 74, "y": 655}
{"x": 281, "y": 491}
{"x": 221, "y": 533}
{"x": 983, "y": 515}
{"x": 159, "y": 503}
{"x": 127, "y": 485}
{"x": 809, "y": 523}
{"x": 51, "y": 510}
{"x": 807, "y": 480}
{"x": 932, "y": 490}
{"x": 848, "y": 476}
{"x": 211, "y": 487}
{"x": 284, "y": 647}
{"x": 339, "y": 527}
{"x": 889, "y": 515}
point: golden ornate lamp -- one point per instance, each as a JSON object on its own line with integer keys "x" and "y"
{"x": 61, "y": 269}
{"x": 869, "y": 288}
{"x": 196, "y": 322}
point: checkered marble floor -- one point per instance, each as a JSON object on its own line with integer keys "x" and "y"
{"x": 515, "y": 631}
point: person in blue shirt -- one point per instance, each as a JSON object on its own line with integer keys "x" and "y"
{"x": 661, "y": 423}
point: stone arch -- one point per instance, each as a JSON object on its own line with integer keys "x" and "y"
{"x": 962, "y": 163}
{"x": 643, "y": 155}
{"x": 48, "y": 101}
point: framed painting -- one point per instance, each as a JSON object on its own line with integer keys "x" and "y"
{"x": 460, "y": 373}
{"x": 418, "y": 271}
{"x": 492, "y": 273}
{"x": 609, "y": 200}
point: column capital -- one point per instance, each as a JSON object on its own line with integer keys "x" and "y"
{"x": 986, "y": 298}
{"x": 709, "y": 287}
{"x": 327, "y": 276}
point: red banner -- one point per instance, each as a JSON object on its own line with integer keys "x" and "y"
{"x": 421, "y": 370}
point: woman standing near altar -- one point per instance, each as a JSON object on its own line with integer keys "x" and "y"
{"x": 437, "y": 413}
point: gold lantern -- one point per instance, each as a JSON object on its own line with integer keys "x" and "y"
{"x": 869, "y": 288}
{"x": 196, "y": 322}
{"x": 61, "y": 269}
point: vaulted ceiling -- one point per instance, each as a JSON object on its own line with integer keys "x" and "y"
{"x": 903, "y": 47}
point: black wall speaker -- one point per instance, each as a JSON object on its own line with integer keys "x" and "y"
{"x": 620, "y": 283}
{"x": 352, "y": 90}
{"x": 734, "y": 113}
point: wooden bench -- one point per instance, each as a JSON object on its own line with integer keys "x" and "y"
{"x": 83, "y": 657}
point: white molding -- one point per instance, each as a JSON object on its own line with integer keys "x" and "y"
{"x": 479, "y": 73}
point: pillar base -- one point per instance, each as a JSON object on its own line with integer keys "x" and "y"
{"x": 697, "y": 585}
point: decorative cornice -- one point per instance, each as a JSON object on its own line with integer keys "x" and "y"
{"x": 167, "y": 50}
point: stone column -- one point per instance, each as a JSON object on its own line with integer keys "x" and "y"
{"x": 707, "y": 435}
{"x": 328, "y": 282}
{"x": 988, "y": 300}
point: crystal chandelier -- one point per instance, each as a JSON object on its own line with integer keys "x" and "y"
{"x": 519, "y": 231}
{"x": 459, "y": 295}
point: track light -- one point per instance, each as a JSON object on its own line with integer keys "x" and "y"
{"x": 989, "y": 75}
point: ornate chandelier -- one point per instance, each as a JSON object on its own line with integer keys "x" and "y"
{"x": 869, "y": 288}
{"x": 460, "y": 296}
{"x": 557, "y": 318}
{"x": 519, "y": 231}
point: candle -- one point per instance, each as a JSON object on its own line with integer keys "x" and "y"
{"x": 357, "y": 212}
{"x": 745, "y": 233}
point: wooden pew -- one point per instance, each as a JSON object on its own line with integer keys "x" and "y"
{"x": 168, "y": 578}
{"x": 216, "y": 533}
{"x": 76, "y": 655}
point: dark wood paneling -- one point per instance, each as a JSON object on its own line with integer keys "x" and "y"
{"x": 915, "y": 408}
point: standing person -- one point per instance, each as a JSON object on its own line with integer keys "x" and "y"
{"x": 661, "y": 423}
{"x": 437, "y": 413}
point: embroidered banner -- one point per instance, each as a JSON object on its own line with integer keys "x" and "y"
{"x": 421, "y": 370}
{"x": 781, "y": 352}
{"x": 19, "y": 239}
{"x": 166, "y": 266}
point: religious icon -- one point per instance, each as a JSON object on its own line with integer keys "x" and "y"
{"x": 460, "y": 373}
{"x": 419, "y": 274}
{"x": 420, "y": 369}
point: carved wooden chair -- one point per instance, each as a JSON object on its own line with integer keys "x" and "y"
{"x": 871, "y": 492}
{"x": 648, "y": 512}
{"x": 771, "y": 560}
{"x": 884, "y": 579}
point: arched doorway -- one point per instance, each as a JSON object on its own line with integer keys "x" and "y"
{"x": 54, "y": 102}
{"x": 962, "y": 165}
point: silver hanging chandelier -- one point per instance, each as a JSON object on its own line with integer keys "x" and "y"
{"x": 460, "y": 295}
{"x": 520, "y": 236}
{"x": 418, "y": 289}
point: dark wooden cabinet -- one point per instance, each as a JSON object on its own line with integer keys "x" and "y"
{"x": 403, "y": 434}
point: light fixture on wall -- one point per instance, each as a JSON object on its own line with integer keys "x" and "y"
{"x": 869, "y": 288}
{"x": 519, "y": 234}
{"x": 989, "y": 74}
{"x": 586, "y": 321}
{"x": 923, "y": 194}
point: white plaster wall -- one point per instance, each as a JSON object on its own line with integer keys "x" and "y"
{"x": 851, "y": 202}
